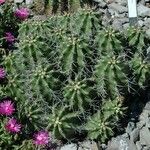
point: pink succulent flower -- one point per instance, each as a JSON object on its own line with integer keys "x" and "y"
{"x": 2, "y": 73}
{"x": 22, "y": 13}
{"x": 9, "y": 37}
{"x": 2, "y": 1}
{"x": 13, "y": 126}
{"x": 7, "y": 108}
{"x": 41, "y": 138}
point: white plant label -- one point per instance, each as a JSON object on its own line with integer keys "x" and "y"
{"x": 18, "y": 1}
{"x": 28, "y": 2}
{"x": 132, "y": 8}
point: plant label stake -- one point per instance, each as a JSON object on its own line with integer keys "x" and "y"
{"x": 132, "y": 10}
{"x": 18, "y": 1}
{"x": 28, "y": 2}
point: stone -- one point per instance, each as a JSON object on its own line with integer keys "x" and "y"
{"x": 123, "y": 20}
{"x": 140, "y": 23}
{"x": 147, "y": 107}
{"x": 87, "y": 145}
{"x": 132, "y": 146}
{"x": 145, "y": 136}
{"x": 138, "y": 145}
{"x": 147, "y": 1}
{"x": 143, "y": 11}
{"x": 69, "y": 147}
{"x": 121, "y": 2}
{"x": 39, "y": 17}
{"x": 130, "y": 127}
{"x": 102, "y": 4}
{"x": 117, "y": 25}
{"x": 148, "y": 50}
{"x": 148, "y": 32}
{"x": 118, "y": 8}
{"x": 147, "y": 22}
{"x": 119, "y": 143}
{"x": 134, "y": 135}
{"x": 126, "y": 25}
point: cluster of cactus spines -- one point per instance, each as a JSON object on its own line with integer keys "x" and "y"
{"x": 108, "y": 41}
{"x": 62, "y": 122}
{"x": 110, "y": 75}
{"x": 50, "y": 67}
{"x": 74, "y": 52}
{"x": 136, "y": 38}
{"x": 100, "y": 125}
{"x": 76, "y": 94}
{"x": 141, "y": 69}
{"x": 30, "y": 112}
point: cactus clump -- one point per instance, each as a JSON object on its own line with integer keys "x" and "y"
{"x": 70, "y": 76}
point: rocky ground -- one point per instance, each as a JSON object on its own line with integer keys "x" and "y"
{"x": 115, "y": 12}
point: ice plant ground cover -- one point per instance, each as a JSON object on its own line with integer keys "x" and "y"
{"x": 67, "y": 78}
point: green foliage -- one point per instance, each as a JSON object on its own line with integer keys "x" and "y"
{"x": 5, "y": 138}
{"x": 136, "y": 38}
{"x": 73, "y": 50}
{"x": 26, "y": 145}
{"x": 100, "y": 125}
{"x": 62, "y": 122}
{"x": 69, "y": 66}
{"x": 76, "y": 93}
{"x": 141, "y": 69}
{"x": 108, "y": 41}
{"x": 7, "y": 19}
{"x": 110, "y": 75}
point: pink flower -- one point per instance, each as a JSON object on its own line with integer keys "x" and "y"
{"x": 9, "y": 37}
{"x": 2, "y": 1}
{"x": 22, "y": 13}
{"x": 41, "y": 138}
{"x": 7, "y": 108}
{"x": 13, "y": 126}
{"x": 2, "y": 73}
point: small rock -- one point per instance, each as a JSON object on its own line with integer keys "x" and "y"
{"x": 69, "y": 147}
{"x": 147, "y": 22}
{"x": 87, "y": 145}
{"x": 117, "y": 25}
{"x": 126, "y": 25}
{"x": 102, "y": 4}
{"x": 147, "y": 107}
{"x": 121, "y": 2}
{"x": 140, "y": 23}
{"x": 143, "y": 11}
{"x": 118, "y": 8}
{"x": 119, "y": 143}
{"x": 134, "y": 135}
{"x": 148, "y": 51}
{"x": 132, "y": 146}
{"x": 145, "y": 136}
{"x": 138, "y": 145}
{"x": 130, "y": 127}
